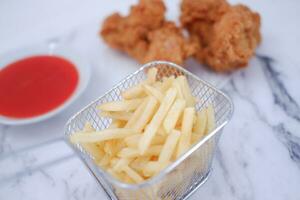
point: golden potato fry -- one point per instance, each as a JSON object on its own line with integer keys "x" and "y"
{"x": 117, "y": 175}
{"x": 121, "y": 115}
{"x": 211, "y": 123}
{"x": 152, "y": 91}
{"x": 186, "y": 91}
{"x": 112, "y": 147}
{"x": 173, "y": 115}
{"x": 161, "y": 131}
{"x": 138, "y": 91}
{"x": 93, "y": 149}
{"x": 116, "y": 123}
{"x": 201, "y": 120}
{"x": 137, "y": 113}
{"x": 132, "y": 153}
{"x": 146, "y": 115}
{"x": 132, "y": 141}
{"x": 186, "y": 131}
{"x": 176, "y": 84}
{"x": 113, "y": 161}
{"x": 159, "y": 139}
{"x": 121, "y": 163}
{"x": 125, "y": 105}
{"x": 132, "y": 174}
{"x": 88, "y": 127}
{"x": 139, "y": 163}
{"x": 167, "y": 83}
{"x": 153, "y": 167}
{"x": 104, "y": 160}
{"x": 134, "y": 92}
{"x": 97, "y": 136}
{"x": 169, "y": 147}
{"x": 157, "y": 119}
{"x": 151, "y": 75}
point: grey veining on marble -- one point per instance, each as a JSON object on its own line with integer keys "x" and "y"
{"x": 259, "y": 152}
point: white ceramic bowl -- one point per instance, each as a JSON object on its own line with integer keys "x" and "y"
{"x": 82, "y": 65}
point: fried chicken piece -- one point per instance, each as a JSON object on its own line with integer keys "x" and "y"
{"x": 129, "y": 33}
{"x": 226, "y": 35}
{"x": 168, "y": 43}
{"x": 145, "y": 35}
{"x": 199, "y": 16}
{"x": 234, "y": 39}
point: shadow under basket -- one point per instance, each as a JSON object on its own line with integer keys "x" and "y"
{"x": 181, "y": 178}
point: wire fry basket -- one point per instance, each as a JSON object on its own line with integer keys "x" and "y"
{"x": 181, "y": 178}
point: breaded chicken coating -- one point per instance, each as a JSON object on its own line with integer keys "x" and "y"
{"x": 168, "y": 43}
{"x": 234, "y": 39}
{"x": 129, "y": 33}
{"x": 226, "y": 35}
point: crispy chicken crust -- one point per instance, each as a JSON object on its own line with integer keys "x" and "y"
{"x": 145, "y": 35}
{"x": 222, "y": 36}
{"x": 129, "y": 33}
{"x": 226, "y": 36}
{"x": 168, "y": 43}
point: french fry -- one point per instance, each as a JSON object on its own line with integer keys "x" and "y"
{"x": 186, "y": 131}
{"x": 167, "y": 83}
{"x": 138, "y": 91}
{"x": 116, "y": 123}
{"x": 111, "y": 147}
{"x": 104, "y": 160}
{"x": 132, "y": 174}
{"x": 132, "y": 141}
{"x": 176, "y": 84}
{"x": 113, "y": 161}
{"x": 115, "y": 174}
{"x": 186, "y": 91}
{"x": 195, "y": 138}
{"x": 146, "y": 115}
{"x": 137, "y": 113}
{"x": 125, "y": 105}
{"x": 158, "y": 139}
{"x": 107, "y": 134}
{"x": 211, "y": 123}
{"x": 200, "y": 125}
{"x": 88, "y": 127}
{"x": 173, "y": 115}
{"x": 139, "y": 163}
{"x": 153, "y": 167}
{"x": 127, "y": 179}
{"x": 169, "y": 147}
{"x": 134, "y": 92}
{"x": 151, "y": 75}
{"x": 157, "y": 120}
{"x": 161, "y": 131}
{"x": 121, "y": 163}
{"x": 152, "y": 91}
{"x": 132, "y": 153}
{"x": 125, "y": 116}
{"x": 93, "y": 149}
{"x": 158, "y": 86}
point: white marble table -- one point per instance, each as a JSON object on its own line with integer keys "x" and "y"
{"x": 259, "y": 152}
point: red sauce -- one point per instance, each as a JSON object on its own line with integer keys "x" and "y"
{"x": 36, "y": 85}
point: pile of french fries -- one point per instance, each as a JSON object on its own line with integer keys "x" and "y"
{"x": 154, "y": 124}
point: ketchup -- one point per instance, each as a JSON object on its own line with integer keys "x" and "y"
{"x": 36, "y": 85}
